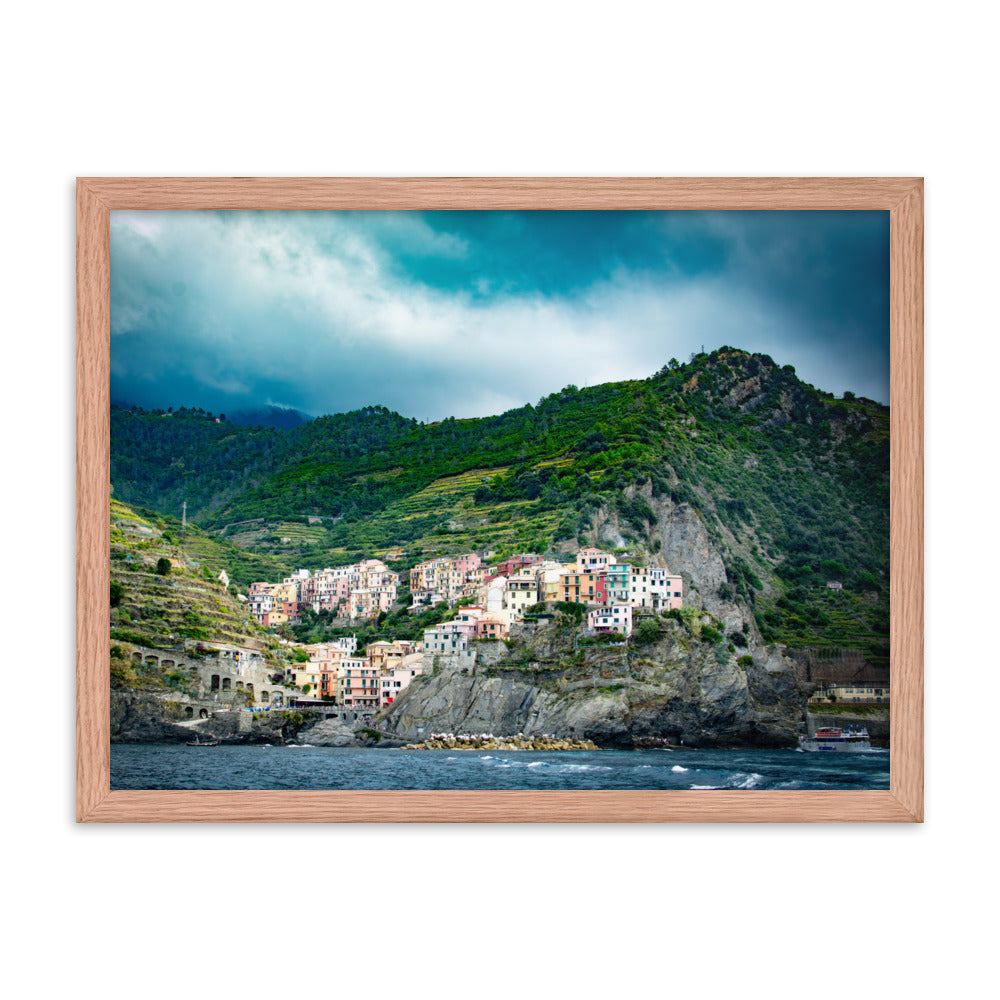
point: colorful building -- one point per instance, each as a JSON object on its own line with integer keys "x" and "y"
{"x": 492, "y": 627}
{"x": 583, "y": 588}
{"x": 590, "y": 560}
{"x": 515, "y": 564}
{"x": 521, "y": 592}
{"x": 655, "y": 589}
{"x": 614, "y": 618}
{"x": 395, "y": 680}
{"x": 618, "y": 577}
{"x": 359, "y": 684}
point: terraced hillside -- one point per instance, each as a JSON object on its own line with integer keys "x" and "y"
{"x": 164, "y": 593}
{"x": 445, "y": 517}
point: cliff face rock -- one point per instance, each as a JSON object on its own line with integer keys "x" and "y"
{"x": 677, "y": 688}
{"x": 140, "y": 718}
{"x": 328, "y": 733}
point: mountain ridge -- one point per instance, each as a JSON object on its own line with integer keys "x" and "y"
{"x": 790, "y": 483}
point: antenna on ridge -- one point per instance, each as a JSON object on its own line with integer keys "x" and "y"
{"x": 184, "y": 514}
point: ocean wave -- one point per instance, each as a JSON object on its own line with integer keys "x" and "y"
{"x": 703, "y": 786}
{"x": 554, "y": 766}
{"x": 677, "y": 769}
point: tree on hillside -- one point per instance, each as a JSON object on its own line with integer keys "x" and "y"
{"x": 163, "y": 566}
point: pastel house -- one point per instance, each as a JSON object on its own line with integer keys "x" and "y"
{"x": 615, "y": 618}
{"x": 583, "y": 587}
{"x": 591, "y": 560}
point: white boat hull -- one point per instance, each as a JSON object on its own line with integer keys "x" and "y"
{"x": 839, "y": 746}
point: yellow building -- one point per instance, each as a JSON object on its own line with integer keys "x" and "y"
{"x": 307, "y": 675}
{"x": 856, "y": 694}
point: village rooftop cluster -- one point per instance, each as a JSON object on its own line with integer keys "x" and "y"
{"x": 489, "y": 599}
{"x": 493, "y": 596}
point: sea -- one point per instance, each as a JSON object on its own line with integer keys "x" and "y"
{"x": 161, "y": 766}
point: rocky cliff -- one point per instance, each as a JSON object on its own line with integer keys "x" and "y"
{"x": 683, "y": 685}
{"x": 701, "y": 676}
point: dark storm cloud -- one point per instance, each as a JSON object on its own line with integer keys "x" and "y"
{"x": 471, "y": 313}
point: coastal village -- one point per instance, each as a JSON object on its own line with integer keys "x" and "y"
{"x": 488, "y": 599}
{"x": 480, "y": 597}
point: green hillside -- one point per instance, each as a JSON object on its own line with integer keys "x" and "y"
{"x": 791, "y": 483}
{"x": 165, "y": 588}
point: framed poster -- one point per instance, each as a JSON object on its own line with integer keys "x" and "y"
{"x": 499, "y": 500}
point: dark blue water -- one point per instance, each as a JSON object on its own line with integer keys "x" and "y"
{"x": 258, "y": 767}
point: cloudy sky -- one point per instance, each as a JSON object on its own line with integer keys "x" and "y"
{"x": 437, "y": 314}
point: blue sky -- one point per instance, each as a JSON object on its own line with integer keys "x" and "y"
{"x": 437, "y": 314}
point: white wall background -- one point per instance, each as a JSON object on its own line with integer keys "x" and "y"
{"x": 516, "y": 88}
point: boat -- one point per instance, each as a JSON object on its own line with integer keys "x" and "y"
{"x": 853, "y": 738}
{"x": 206, "y": 743}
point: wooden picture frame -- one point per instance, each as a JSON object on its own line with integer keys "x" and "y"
{"x": 901, "y": 197}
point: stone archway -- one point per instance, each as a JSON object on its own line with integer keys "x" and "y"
{"x": 226, "y": 684}
{"x": 264, "y": 697}
{"x": 203, "y": 713}
{"x": 215, "y": 682}
{"x": 188, "y": 712}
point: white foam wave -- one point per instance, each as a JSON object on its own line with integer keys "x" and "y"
{"x": 678, "y": 769}
{"x": 704, "y": 786}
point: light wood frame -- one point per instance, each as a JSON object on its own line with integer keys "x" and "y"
{"x": 901, "y": 197}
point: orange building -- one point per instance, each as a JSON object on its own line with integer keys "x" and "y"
{"x": 583, "y": 588}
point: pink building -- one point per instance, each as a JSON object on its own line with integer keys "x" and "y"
{"x": 491, "y": 627}
{"x": 395, "y": 680}
{"x": 467, "y": 619}
{"x": 616, "y": 618}
{"x": 468, "y": 563}
{"x": 359, "y": 686}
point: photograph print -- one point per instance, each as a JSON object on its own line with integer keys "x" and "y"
{"x": 499, "y": 500}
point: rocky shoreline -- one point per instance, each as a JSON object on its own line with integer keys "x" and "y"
{"x": 446, "y": 741}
